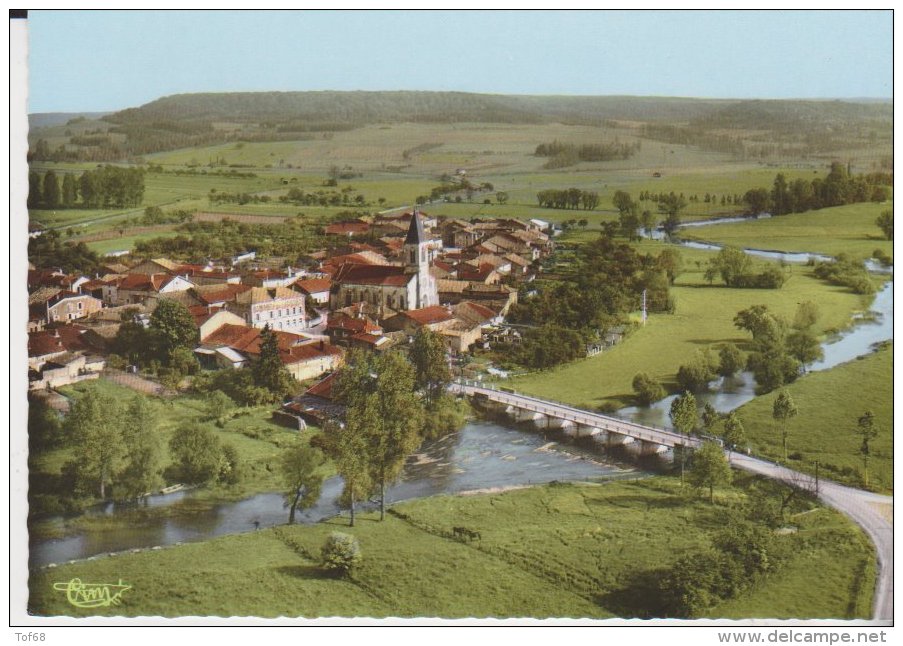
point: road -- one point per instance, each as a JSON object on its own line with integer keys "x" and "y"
{"x": 863, "y": 507}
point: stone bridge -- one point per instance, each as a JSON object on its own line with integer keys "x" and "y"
{"x": 635, "y": 438}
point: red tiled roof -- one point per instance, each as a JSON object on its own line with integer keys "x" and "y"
{"x": 145, "y": 282}
{"x": 323, "y": 388}
{"x": 313, "y": 285}
{"x": 247, "y": 339}
{"x": 371, "y": 275}
{"x": 347, "y": 228}
{"x": 429, "y": 315}
{"x": 342, "y": 321}
{"x": 63, "y": 338}
{"x": 308, "y": 352}
{"x": 221, "y": 294}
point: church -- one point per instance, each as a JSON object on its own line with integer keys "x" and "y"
{"x": 390, "y": 288}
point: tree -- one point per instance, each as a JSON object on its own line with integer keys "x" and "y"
{"x": 303, "y": 477}
{"x": 95, "y": 423}
{"x": 217, "y": 405}
{"x": 730, "y": 360}
{"x": 175, "y": 325}
{"x": 432, "y": 374}
{"x": 803, "y": 346}
{"x": 70, "y": 190}
{"x": 350, "y": 446}
{"x": 684, "y": 418}
{"x": 734, "y": 433}
{"x": 400, "y": 415}
{"x": 45, "y": 428}
{"x": 709, "y": 468}
{"x": 501, "y": 197}
{"x": 647, "y": 389}
{"x": 341, "y": 554}
{"x": 143, "y": 450}
{"x": 669, "y": 260}
{"x": 784, "y": 409}
{"x": 671, "y": 205}
{"x": 710, "y": 416}
{"x": 732, "y": 264}
{"x": 51, "y": 190}
{"x": 885, "y": 222}
{"x": 35, "y": 192}
{"x": 757, "y": 200}
{"x": 268, "y": 370}
{"x": 648, "y": 220}
{"x": 868, "y": 431}
{"x": 806, "y": 315}
{"x": 197, "y": 452}
{"x": 696, "y": 375}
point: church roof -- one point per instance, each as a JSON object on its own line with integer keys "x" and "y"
{"x": 371, "y": 275}
{"x": 415, "y": 231}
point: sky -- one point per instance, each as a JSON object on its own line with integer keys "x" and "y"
{"x": 110, "y": 60}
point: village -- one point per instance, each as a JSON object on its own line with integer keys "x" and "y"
{"x": 454, "y": 277}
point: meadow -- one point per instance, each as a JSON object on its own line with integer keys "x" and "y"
{"x": 847, "y": 229}
{"x": 825, "y": 429}
{"x": 561, "y": 550}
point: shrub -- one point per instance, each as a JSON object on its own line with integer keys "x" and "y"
{"x": 730, "y": 360}
{"x": 647, "y": 389}
{"x": 341, "y": 553}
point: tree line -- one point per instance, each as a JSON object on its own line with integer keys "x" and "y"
{"x": 105, "y": 187}
{"x": 564, "y": 154}
{"x": 569, "y": 198}
{"x": 838, "y": 187}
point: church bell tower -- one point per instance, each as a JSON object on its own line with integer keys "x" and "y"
{"x": 417, "y": 261}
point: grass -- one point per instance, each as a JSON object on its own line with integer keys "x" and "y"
{"x": 703, "y": 318}
{"x": 842, "y": 229}
{"x": 553, "y": 551}
{"x": 824, "y": 429}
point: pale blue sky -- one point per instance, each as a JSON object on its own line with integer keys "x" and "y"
{"x": 98, "y": 60}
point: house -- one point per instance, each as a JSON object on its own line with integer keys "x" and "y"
{"x": 316, "y": 290}
{"x": 155, "y": 266}
{"x": 270, "y": 278}
{"x": 434, "y": 317}
{"x": 235, "y": 346}
{"x": 137, "y": 288}
{"x": 209, "y": 320}
{"x": 279, "y": 307}
{"x": 69, "y": 306}
{"x": 342, "y": 326}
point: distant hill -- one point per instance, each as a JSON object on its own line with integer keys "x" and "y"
{"x": 186, "y": 120}
{"x": 48, "y": 119}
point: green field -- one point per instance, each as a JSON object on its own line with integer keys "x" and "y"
{"x": 402, "y": 161}
{"x": 704, "y": 318}
{"x": 554, "y": 551}
{"x": 842, "y": 229}
{"x": 825, "y": 428}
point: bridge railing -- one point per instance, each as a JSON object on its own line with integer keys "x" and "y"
{"x": 567, "y": 412}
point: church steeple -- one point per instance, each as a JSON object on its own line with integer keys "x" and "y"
{"x": 415, "y": 230}
{"x": 416, "y": 258}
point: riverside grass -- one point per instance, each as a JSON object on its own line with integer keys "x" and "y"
{"x": 824, "y": 430}
{"x": 560, "y": 550}
{"x": 847, "y": 229}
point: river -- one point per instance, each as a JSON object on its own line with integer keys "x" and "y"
{"x": 727, "y": 394}
{"x": 483, "y": 455}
